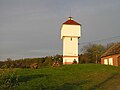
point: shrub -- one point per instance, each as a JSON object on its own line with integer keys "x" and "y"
{"x": 74, "y": 62}
{"x": 34, "y": 66}
{"x": 8, "y": 79}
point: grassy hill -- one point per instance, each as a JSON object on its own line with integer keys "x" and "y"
{"x": 70, "y": 77}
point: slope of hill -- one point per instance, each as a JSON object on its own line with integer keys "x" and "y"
{"x": 70, "y": 77}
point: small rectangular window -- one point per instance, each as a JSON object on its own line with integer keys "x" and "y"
{"x": 110, "y": 61}
{"x": 106, "y": 61}
{"x": 71, "y": 39}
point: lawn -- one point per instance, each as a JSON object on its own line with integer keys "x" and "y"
{"x": 69, "y": 77}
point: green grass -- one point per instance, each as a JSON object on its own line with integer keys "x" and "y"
{"x": 69, "y": 77}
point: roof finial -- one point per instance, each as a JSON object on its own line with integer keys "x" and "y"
{"x": 70, "y": 12}
{"x": 70, "y": 18}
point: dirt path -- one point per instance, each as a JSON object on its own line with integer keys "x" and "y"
{"x": 112, "y": 83}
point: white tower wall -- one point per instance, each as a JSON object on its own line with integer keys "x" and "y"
{"x": 70, "y": 30}
{"x": 70, "y": 49}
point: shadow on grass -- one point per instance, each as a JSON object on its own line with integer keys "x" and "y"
{"x": 30, "y": 77}
{"x": 64, "y": 86}
{"x": 71, "y": 86}
{"x": 68, "y": 86}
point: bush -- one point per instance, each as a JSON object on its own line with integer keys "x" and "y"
{"x": 74, "y": 62}
{"x": 34, "y": 66}
{"x": 8, "y": 79}
{"x": 27, "y": 62}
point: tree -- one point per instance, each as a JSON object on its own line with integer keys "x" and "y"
{"x": 109, "y": 45}
{"x": 48, "y": 61}
{"x": 83, "y": 58}
{"x": 93, "y": 52}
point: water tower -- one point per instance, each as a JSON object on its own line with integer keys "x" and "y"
{"x": 70, "y": 34}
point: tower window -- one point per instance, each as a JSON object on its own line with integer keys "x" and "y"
{"x": 71, "y": 38}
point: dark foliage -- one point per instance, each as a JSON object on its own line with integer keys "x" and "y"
{"x": 92, "y": 53}
{"x": 31, "y": 62}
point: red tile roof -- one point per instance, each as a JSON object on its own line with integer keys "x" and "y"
{"x": 115, "y": 49}
{"x": 71, "y": 22}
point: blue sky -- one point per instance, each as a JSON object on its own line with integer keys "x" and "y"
{"x": 31, "y": 28}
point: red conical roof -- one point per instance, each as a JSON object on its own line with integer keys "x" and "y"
{"x": 70, "y": 21}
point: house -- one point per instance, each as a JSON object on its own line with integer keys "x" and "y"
{"x": 112, "y": 56}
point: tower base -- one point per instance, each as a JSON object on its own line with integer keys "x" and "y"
{"x": 70, "y": 59}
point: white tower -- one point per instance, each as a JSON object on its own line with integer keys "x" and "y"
{"x": 70, "y": 33}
